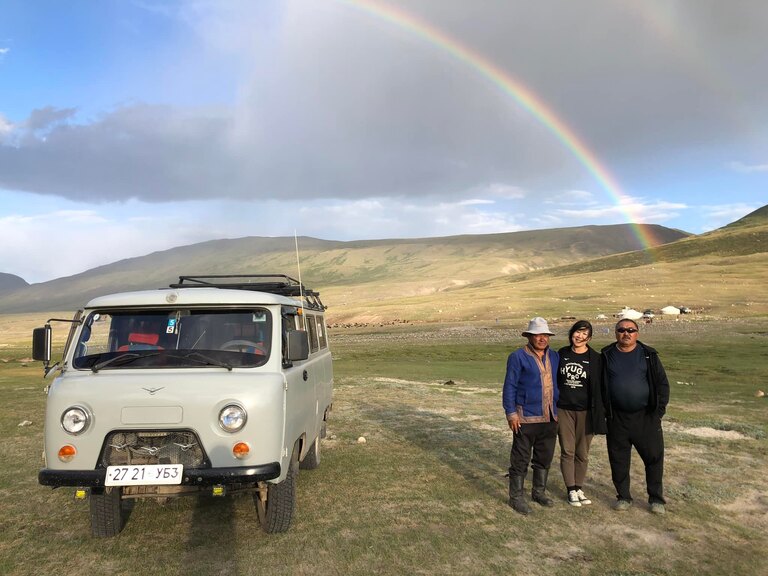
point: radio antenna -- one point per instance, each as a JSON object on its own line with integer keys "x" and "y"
{"x": 298, "y": 266}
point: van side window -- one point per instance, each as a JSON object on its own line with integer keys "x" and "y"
{"x": 321, "y": 332}
{"x": 312, "y": 329}
{"x": 289, "y": 325}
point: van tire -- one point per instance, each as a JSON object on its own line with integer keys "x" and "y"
{"x": 107, "y": 517}
{"x": 276, "y": 513}
{"x": 312, "y": 458}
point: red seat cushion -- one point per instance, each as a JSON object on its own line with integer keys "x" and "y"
{"x": 138, "y": 338}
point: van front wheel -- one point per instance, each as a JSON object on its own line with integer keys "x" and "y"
{"x": 107, "y": 515}
{"x": 276, "y": 510}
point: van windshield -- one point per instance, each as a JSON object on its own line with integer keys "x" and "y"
{"x": 174, "y": 338}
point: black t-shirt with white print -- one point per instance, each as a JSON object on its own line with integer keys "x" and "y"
{"x": 573, "y": 380}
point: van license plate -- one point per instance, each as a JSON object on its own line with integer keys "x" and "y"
{"x": 144, "y": 475}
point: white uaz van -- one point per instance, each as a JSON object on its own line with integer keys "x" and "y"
{"x": 217, "y": 384}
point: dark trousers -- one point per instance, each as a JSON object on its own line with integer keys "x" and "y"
{"x": 539, "y": 438}
{"x": 643, "y": 431}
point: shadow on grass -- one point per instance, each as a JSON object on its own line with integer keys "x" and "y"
{"x": 481, "y": 457}
{"x": 211, "y": 537}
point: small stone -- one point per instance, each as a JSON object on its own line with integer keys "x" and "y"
{"x": 361, "y": 440}
{"x": 759, "y": 394}
{"x": 25, "y": 423}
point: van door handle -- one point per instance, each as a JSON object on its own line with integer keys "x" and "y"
{"x": 305, "y": 375}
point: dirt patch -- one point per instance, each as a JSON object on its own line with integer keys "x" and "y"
{"x": 751, "y": 509}
{"x": 571, "y": 553}
{"x": 441, "y": 386}
{"x": 400, "y": 381}
{"x": 706, "y": 432}
{"x": 640, "y": 536}
{"x": 476, "y": 423}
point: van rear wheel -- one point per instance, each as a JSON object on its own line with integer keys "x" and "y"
{"x": 107, "y": 514}
{"x": 276, "y": 511}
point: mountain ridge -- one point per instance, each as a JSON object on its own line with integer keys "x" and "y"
{"x": 406, "y": 266}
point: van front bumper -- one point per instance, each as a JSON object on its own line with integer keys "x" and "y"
{"x": 191, "y": 477}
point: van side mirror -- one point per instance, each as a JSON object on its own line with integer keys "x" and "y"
{"x": 41, "y": 344}
{"x": 298, "y": 345}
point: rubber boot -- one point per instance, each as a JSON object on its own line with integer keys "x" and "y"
{"x": 516, "y": 496}
{"x": 539, "y": 492}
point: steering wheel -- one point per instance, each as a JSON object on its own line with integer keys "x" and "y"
{"x": 241, "y": 345}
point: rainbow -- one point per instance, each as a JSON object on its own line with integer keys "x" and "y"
{"x": 523, "y": 96}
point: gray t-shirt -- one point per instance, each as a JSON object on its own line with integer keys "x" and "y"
{"x": 628, "y": 379}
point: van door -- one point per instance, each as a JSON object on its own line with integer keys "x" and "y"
{"x": 300, "y": 401}
{"x": 317, "y": 374}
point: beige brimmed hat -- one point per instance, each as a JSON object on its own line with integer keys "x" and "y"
{"x": 538, "y": 326}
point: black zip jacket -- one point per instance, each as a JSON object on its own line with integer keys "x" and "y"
{"x": 657, "y": 380}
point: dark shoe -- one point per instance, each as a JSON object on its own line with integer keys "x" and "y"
{"x": 658, "y": 508}
{"x": 516, "y": 499}
{"x": 539, "y": 492}
{"x": 520, "y": 506}
{"x": 622, "y": 505}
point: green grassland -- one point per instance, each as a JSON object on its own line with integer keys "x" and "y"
{"x": 425, "y": 494}
{"x": 420, "y": 331}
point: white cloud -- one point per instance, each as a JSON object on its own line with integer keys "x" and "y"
{"x": 383, "y": 218}
{"x": 635, "y": 210}
{"x": 506, "y": 191}
{"x": 714, "y": 217}
{"x": 475, "y": 202}
{"x": 748, "y": 168}
{"x": 6, "y": 128}
{"x": 581, "y": 198}
{"x": 60, "y": 243}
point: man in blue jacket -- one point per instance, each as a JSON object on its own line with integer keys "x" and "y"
{"x": 636, "y": 397}
{"x": 530, "y": 403}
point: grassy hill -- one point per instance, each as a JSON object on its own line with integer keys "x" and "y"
{"x": 11, "y": 282}
{"x": 356, "y": 272}
{"x": 582, "y": 271}
{"x": 722, "y": 273}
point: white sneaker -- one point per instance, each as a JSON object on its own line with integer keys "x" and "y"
{"x": 582, "y": 499}
{"x": 573, "y": 498}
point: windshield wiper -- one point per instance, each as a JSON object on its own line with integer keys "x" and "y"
{"x": 129, "y": 357}
{"x": 126, "y": 358}
{"x": 208, "y": 360}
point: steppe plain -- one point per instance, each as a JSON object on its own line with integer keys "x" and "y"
{"x": 418, "y": 375}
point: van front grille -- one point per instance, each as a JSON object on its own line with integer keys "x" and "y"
{"x": 153, "y": 447}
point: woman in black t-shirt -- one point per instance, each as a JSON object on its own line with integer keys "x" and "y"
{"x": 580, "y": 408}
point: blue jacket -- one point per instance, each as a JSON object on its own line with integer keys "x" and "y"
{"x": 524, "y": 391}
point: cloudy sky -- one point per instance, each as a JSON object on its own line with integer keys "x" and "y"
{"x": 130, "y": 126}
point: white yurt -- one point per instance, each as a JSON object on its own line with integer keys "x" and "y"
{"x": 670, "y": 311}
{"x": 630, "y": 314}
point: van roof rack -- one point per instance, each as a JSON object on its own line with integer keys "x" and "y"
{"x": 272, "y": 283}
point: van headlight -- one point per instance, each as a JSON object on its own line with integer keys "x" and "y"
{"x": 75, "y": 420}
{"x": 232, "y": 418}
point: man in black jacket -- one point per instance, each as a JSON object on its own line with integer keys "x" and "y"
{"x": 636, "y": 397}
